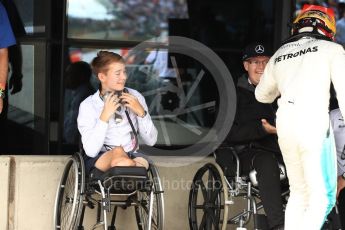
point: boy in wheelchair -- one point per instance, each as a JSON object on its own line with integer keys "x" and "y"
{"x": 110, "y": 120}
{"x": 254, "y": 138}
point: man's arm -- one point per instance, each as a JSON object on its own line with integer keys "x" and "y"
{"x": 7, "y": 39}
{"x": 337, "y": 76}
{"x": 3, "y": 74}
{"x": 246, "y": 131}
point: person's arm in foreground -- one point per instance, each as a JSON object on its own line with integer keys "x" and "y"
{"x": 3, "y": 74}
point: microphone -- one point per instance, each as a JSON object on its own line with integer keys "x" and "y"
{"x": 117, "y": 116}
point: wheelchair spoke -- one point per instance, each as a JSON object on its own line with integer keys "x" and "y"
{"x": 208, "y": 222}
{"x": 215, "y": 220}
{"x": 214, "y": 195}
{"x": 209, "y": 185}
{"x": 199, "y": 206}
{"x": 203, "y": 222}
{"x": 203, "y": 188}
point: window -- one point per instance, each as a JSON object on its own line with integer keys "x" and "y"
{"x": 26, "y": 110}
{"x": 30, "y": 14}
{"x": 178, "y": 111}
{"x": 129, "y": 20}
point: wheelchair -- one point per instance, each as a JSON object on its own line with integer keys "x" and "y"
{"x": 118, "y": 187}
{"x": 213, "y": 196}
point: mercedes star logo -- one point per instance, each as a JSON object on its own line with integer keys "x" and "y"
{"x": 259, "y": 49}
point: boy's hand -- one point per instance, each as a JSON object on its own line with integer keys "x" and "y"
{"x": 111, "y": 103}
{"x": 133, "y": 103}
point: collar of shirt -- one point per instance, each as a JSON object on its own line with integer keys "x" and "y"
{"x": 97, "y": 100}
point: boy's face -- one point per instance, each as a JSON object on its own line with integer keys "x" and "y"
{"x": 255, "y": 67}
{"x": 115, "y": 78}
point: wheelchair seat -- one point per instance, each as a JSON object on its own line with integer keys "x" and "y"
{"x": 122, "y": 179}
{"x": 232, "y": 166}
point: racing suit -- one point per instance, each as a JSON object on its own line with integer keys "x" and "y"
{"x": 301, "y": 73}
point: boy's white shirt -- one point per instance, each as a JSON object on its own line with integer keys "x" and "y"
{"x": 96, "y": 133}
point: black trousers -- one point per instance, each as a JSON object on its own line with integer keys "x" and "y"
{"x": 341, "y": 207}
{"x": 268, "y": 176}
{"x": 4, "y": 128}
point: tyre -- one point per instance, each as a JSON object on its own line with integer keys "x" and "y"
{"x": 69, "y": 196}
{"x": 207, "y": 199}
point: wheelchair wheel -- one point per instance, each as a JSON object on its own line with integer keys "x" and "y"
{"x": 208, "y": 197}
{"x": 143, "y": 208}
{"x": 69, "y": 196}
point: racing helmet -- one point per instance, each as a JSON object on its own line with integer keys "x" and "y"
{"x": 315, "y": 19}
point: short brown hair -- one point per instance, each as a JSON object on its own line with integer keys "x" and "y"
{"x": 104, "y": 58}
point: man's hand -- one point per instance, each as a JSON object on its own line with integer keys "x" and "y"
{"x": 132, "y": 103}
{"x": 268, "y": 127}
{"x": 340, "y": 184}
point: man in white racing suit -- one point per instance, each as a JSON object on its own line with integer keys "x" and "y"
{"x": 301, "y": 72}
